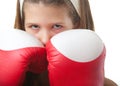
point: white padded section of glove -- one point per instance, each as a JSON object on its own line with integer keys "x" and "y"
{"x": 11, "y": 39}
{"x": 78, "y": 45}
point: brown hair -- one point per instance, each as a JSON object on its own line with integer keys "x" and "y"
{"x": 84, "y": 17}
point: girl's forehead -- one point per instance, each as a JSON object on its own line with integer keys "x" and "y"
{"x": 38, "y": 10}
{"x": 43, "y": 7}
{"x": 46, "y": 15}
{"x": 30, "y": 4}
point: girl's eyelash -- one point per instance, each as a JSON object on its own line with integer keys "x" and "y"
{"x": 34, "y": 26}
{"x": 57, "y": 26}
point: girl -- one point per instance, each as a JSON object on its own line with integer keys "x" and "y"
{"x": 46, "y": 18}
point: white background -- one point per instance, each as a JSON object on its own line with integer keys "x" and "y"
{"x": 106, "y": 15}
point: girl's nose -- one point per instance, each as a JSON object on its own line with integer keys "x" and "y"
{"x": 44, "y": 36}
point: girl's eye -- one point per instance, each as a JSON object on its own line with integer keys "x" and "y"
{"x": 34, "y": 26}
{"x": 56, "y": 26}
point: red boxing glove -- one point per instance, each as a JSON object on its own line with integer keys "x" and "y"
{"x": 19, "y": 52}
{"x": 76, "y": 58}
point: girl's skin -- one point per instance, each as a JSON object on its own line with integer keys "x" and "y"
{"x": 54, "y": 20}
{"x": 44, "y": 20}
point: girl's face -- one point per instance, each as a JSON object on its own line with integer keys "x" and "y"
{"x": 45, "y": 21}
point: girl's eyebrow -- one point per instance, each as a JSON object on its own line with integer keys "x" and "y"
{"x": 57, "y": 22}
{"x": 48, "y": 23}
{"x": 32, "y": 23}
